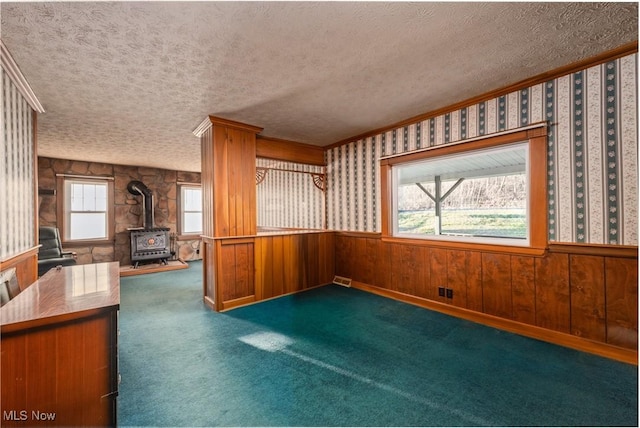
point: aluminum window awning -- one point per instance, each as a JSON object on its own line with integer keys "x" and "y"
{"x": 483, "y": 163}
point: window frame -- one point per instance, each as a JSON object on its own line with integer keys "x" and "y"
{"x": 537, "y": 211}
{"x": 461, "y": 157}
{"x": 180, "y": 217}
{"x": 63, "y": 212}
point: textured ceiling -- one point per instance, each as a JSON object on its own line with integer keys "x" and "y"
{"x": 127, "y": 82}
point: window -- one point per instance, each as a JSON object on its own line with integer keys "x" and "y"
{"x": 489, "y": 191}
{"x": 87, "y": 209}
{"x": 480, "y": 194}
{"x": 190, "y": 209}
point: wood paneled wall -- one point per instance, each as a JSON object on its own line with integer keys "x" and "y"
{"x": 228, "y": 151}
{"x": 228, "y": 180}
{"x": 590, "y": 292}
{"x": 234, "y": 164}
{"x": 26, "y": 265}
{"x": 290, "y": 263}
{"x": 262, "y": 267}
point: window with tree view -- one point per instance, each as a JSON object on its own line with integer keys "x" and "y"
{"x": 479, "y": 195}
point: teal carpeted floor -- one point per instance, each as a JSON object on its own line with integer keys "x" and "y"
{"x": 341, "y": 357}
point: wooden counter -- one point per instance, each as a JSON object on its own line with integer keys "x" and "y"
{"x": 59, "y": 349}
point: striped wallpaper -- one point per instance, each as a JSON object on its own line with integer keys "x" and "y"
{"x": 592, "y": 157}
{"x": 16, "y": 172}
{"x": 288, "y": 197}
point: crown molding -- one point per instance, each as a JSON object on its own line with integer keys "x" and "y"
{"x": 203, "y": 127}
{"x": 18, "y": 79}
{"x": 210, "y": 121}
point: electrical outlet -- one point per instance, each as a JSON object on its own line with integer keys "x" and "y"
{"x": 449, "y": 293}
{"x": 441, "y": 291}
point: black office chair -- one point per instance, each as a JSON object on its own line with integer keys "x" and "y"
{"x": 50, "y": 253}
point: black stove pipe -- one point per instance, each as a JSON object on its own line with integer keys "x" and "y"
{"x": 138, "y": 188}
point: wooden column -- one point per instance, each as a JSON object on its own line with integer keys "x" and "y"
{"x": 228, "y": 191}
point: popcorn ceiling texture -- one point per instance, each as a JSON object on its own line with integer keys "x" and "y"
{"x": 127, "y": 82}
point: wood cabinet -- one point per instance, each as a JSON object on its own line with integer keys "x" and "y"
{"x": 58, "y": 353}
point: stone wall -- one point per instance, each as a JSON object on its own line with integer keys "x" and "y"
{"x": 127, "y": 207}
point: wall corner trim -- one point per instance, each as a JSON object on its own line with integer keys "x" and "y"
{"x": 13, "y": 71}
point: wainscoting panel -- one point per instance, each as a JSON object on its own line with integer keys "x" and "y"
{"x": 251, "y": 269}
{"x": 286, "y": 264}
{"x": 439, "y": 272}
{"x": 457, "y": 277}
{"x": 621, "y": 288}
{"x": 553, "y": 306}
{"x": 496, "y": 285}
{"x": 474, "y": 281}
{"x": 587, "y": 284}
{"x": 587, "y": 292}
{"x": 523, "y": 289}
{"x": 236, "y": 273}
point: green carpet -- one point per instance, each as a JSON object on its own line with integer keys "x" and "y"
{"x": 334, "y": 356}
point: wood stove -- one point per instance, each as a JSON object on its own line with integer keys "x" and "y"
{"x": 148, "y": 242}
